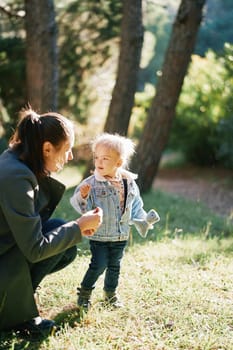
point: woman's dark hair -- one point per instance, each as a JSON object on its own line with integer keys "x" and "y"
{"x": 31, "y": 133}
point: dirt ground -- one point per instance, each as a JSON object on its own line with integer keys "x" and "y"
{"x": 214, "y": 187}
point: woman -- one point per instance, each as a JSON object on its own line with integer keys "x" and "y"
{"x": 31, "y": 244}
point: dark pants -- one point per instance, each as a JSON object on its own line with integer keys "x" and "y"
{"x": 55, "y": 263}
{"x": 105, "y": 255}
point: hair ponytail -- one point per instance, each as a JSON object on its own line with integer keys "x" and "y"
{"x": 31, "y": 133}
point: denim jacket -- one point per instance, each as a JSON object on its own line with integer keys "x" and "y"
{"x": 115, "y": 225}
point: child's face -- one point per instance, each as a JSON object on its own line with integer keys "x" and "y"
{"x": 106, "y": 161}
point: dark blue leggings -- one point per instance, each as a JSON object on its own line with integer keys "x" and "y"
{"x": 106, "y": 256}
{"x": 55, "y": 263}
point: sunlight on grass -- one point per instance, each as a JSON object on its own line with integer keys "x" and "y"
{"x": 177, "y": 295}
{"x": 176, "y": 286}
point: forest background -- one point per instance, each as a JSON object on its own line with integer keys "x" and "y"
{"x": 102, "y": 63}
{"x": 159, "y": 71}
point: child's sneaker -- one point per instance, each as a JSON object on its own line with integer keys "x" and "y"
{"x": 111, "y": 299}
{"x": 84, "y": 298}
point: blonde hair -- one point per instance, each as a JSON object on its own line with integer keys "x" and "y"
{"x": 122, "y": 145}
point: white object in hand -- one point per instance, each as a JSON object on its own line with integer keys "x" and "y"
{"x": 143, "y": 225}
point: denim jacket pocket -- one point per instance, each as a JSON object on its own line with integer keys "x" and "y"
{"x": 101, "y": 192}
{"x": 101, "y": 197}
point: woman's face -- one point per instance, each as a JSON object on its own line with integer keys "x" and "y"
{"x": 55, "y": 158}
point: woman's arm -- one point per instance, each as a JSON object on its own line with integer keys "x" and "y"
{"x": 19, "y": 197}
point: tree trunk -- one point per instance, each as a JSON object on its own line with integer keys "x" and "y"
{"x": 130, "y": 53}
{"x": 41, "y": 55}
{"x": 162, "y": 111}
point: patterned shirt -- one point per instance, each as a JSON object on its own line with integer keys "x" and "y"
{"x": 118, "y": 183}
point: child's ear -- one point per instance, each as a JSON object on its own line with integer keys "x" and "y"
{"x": 119, "y": 163}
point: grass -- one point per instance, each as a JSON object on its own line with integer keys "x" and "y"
{"x": 176, "y": 286}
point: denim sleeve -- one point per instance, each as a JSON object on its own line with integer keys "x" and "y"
{"x": 137, "y": 206}
{"x": 80, "y": 204}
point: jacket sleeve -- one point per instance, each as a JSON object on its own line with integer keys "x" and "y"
{"x": 80, "y": 204}
{"x": 137, "y": 206}
{"x": 18, "y": 202}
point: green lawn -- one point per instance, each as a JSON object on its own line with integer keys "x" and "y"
{"x": 176, "y": 285}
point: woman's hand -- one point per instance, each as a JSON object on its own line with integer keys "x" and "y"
{"x": 90, "y": 221}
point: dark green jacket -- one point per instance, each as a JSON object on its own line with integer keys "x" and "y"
{"x": 24, "y": 204}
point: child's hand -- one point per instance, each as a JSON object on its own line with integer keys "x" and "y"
{"x": 84, "y": 190}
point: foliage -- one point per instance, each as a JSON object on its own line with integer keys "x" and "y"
{"x": 86, "y": 30}
{"x": 214, "y": 31}
{"x": 12, "y": 91}
{"x": 225, "y": 127}
{"x": 203, "y": 126}
{"x": 158, "y": 18}
{"x": 12, "y": 62}
{"x": 140, "y": 111}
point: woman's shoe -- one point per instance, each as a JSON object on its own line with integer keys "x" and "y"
{"x": 37, "y": 326}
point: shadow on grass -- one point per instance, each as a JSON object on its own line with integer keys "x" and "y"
{"x": 71, "y": 315}
{"x": 11, "y": 340}
{"x": 14, "y": 341}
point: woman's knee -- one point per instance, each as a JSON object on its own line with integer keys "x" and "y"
{"x": 71, "y": 253}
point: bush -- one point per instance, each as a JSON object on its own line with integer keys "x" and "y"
{"x": 203, "y": 127}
